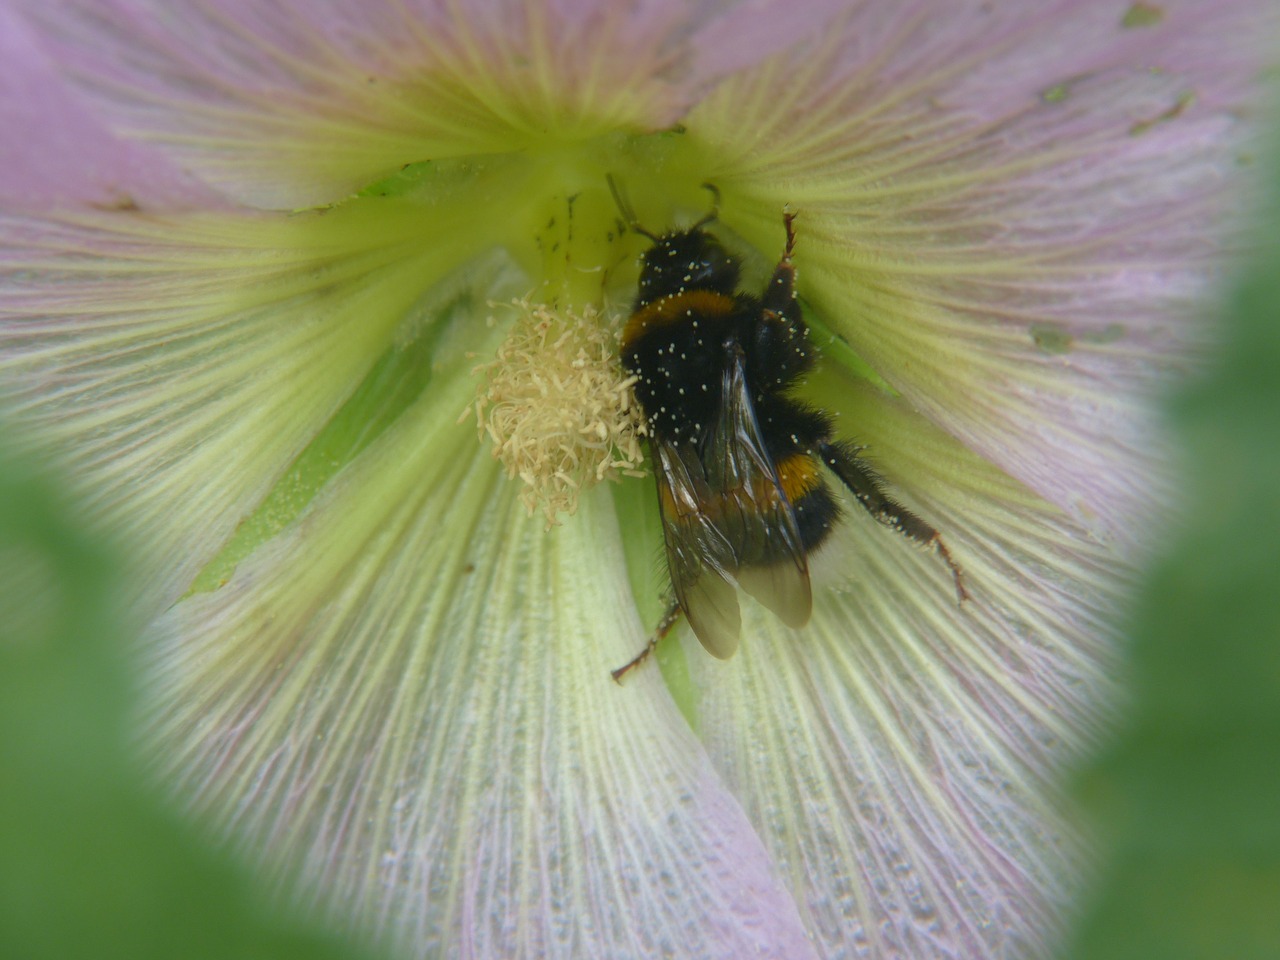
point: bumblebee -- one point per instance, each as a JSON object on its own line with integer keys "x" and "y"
{"x": 740, "y": 463}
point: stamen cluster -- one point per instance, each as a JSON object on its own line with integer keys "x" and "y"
{"x": 558, "y": 407}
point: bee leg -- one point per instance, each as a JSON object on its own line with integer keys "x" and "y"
{"x": 780, "y": 295}
{"x": 868, "y": 489}
{"x": 780, "y": 342}
{"x": 788, "y": 219}
{"x": 669, "y": 620}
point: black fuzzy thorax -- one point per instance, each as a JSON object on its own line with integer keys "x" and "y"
{"x": 680, "y": 363}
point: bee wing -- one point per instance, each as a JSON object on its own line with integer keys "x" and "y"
{"x": 699, "y": 554}
{"x": 772, "y": 565}
{"x": 726, "y": 521}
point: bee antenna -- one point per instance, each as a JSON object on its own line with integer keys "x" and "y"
{"x": 624, "y": 208}
{"x": 714, "y": 212}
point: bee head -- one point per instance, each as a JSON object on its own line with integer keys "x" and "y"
{"x": 682, "y": 260}
{"x": 687, "y": 260}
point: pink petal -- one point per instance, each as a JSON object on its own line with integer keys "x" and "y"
{"x": 1014, "y": 213}
{"x": 289, "y": 104}
{"x": 55, "y": 152}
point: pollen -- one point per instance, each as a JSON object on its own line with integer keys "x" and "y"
{"x": 557, "y": 407}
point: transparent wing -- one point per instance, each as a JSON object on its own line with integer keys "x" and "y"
{"x": 700, "y": 556}
{"x": 772, "y": 566}
{"x": 728, "y": 523}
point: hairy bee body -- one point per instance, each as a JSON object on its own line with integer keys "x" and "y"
{"x": 739, "y": 461}
{"x": 687, "y": 326}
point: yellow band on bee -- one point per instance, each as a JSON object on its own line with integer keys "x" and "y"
{"x": 677, "y": 308}
{"x": 797, "y": 475}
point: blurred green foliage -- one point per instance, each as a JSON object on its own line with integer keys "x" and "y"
{"x": 92, "y": 862}
{"x": 1187, "y": 799}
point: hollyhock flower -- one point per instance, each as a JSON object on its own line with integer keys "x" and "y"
{"x": 260, "y": 260}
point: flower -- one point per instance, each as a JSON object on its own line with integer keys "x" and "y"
{"x": 249, "y": 252}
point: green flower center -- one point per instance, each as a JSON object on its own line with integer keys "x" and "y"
{"x": 419, "y": 258}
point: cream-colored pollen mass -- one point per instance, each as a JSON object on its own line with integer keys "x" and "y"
{"x": 557, "y": 406}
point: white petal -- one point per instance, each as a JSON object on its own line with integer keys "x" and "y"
{"x": 900, "y": 754}
{"x": 408, "y": 693}
{"x": 177, "y": 365}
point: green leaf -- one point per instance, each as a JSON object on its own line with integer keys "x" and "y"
{"x": 92, "y": 862}
{"x": 1187, "y": 799}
